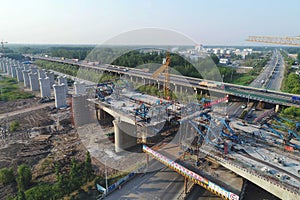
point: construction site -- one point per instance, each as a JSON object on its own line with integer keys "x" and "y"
{"x": 123, "y": 128}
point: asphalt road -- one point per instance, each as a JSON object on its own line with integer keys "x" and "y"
{"x": 272, "y": 75}
{"x": 159, "y": 185}
{"x": 277, "y": 76}
{"x": 234, "y": 109}
{"x": 263, "y": 76}
{"x": 199, "y": 193}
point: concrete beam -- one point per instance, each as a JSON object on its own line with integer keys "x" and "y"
{"x": 275, "y": 189}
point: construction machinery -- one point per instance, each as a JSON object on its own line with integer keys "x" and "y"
{"x": 104, "y": 89}
{"x": 291, "y": 41}
{"x": 142, "y": 112}
{"x": 164, "y": 69}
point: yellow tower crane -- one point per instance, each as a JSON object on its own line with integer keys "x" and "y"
{"x": 291, "y": 41}
{"x": 164, "y": 69}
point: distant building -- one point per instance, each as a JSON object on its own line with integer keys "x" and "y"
{"x": 224, "y": 61}
{"x": 199, "y": 48}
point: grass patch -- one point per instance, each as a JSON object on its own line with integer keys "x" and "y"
{"x": 243, "y": 79}
{"x": 10, "y": 90}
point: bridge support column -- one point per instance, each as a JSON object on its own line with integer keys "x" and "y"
{"x": 158, "y": 85}
{"x": 103, "y": 117}
{"x": 147, "y": 159}
{"x": 244, "y": 187}
{"x": 180, "y": 89}
{"x": 175, "y": 89}
{"x": 261, "y": 105}
{"x": 101, "y": 114}
{"x": 131, "y": 79}
{"x": 82, "y": 111}
{"x": 196, "y": 92}
{"x": 124, "y": 135}
{"x": 277, "y": 108}
{"x": 185, "y": 189}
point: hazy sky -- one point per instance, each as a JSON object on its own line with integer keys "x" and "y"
{"x": 95, "y": 21}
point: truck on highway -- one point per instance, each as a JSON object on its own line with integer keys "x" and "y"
{"x": 211, "y": 84}
{"x": 296, "y": 99}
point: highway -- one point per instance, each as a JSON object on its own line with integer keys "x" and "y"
{"x": 262, "y": 78}
{"x": 272, "y": 75}
{"x": 276, "y": 78}
{"x": 274, "y": 97}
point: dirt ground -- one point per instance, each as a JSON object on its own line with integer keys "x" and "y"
{"x": 10, "y": 106}
{"x": 45, "y": 137}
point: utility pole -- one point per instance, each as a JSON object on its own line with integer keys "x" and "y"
{"x": 106, "y": 184}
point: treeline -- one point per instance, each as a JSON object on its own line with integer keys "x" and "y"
{"x": 75, "y": 71}
{"x": 63, "y": 68}
{"x": 292, "y": 84}
{"x": 206, "y": 67}
{"x": 79, "y": 174}
{"x": 291, "y": 81}
{"x": 202, "y": 68}
{"x": 70, "y": 52}
{"x": 257, "y": 63}
{"x": 292, "y": 112}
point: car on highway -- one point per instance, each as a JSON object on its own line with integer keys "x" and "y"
{"x": 243, "y": 106}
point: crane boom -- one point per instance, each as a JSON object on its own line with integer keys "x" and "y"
{"x": 292, "y": 41}
{"x": 159, "y": 71}
{"x": 164, "y": 68}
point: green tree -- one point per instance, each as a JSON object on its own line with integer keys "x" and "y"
{"x": 75, "y": 175}
{"x": 215, "y": 58}
{"x": 7, "y": 176}
{"x": 42, "y": 191}
{"x": 88, "y": 168}
{"x": 292, "y": 111}
{"x": 13, "y": 126}
{"x": 24, "y": 177}
{"x": 21, "y": 196}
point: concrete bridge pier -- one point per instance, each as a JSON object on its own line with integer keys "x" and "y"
{"x": 195, "y": 91}
{"x": 243, "y": 191}
{"x": 175, "y": 88}
{"x": 83, "y": 112}
{"x": 261, "y": 105}
{"x": 124, "y": 135}
{"x": 103, "y": 117}
{"x": 277, "y": 108}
